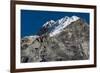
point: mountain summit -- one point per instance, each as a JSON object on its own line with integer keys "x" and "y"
{"x": 55, "y": 27}
{"x": 61, "y": 40}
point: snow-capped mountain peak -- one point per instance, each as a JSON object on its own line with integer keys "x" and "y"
{"x": 63, "y": 19}
{"x": 55, "y": 27}
{"x": 63, "y": 22}
{"x": 49, "y": 23}
{"x": 74, "y": 18}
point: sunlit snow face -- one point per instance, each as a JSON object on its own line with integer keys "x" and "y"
{"x": 62, "y": 23}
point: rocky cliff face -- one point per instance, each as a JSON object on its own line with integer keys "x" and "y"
{"x": 61, "y": 40}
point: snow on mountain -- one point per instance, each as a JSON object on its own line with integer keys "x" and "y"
{"x": 31, "y": 37}
{"x": 55, "y": 27}
{"x": 49, "y": 23}
{"x": 63, "y": 22}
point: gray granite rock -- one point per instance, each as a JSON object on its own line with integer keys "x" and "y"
{"x": 72, "y": 43}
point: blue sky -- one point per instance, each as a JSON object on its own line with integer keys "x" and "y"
{"x": 32, "y": 20}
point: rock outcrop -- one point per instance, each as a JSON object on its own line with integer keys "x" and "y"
{"x": 71, "y": 42}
